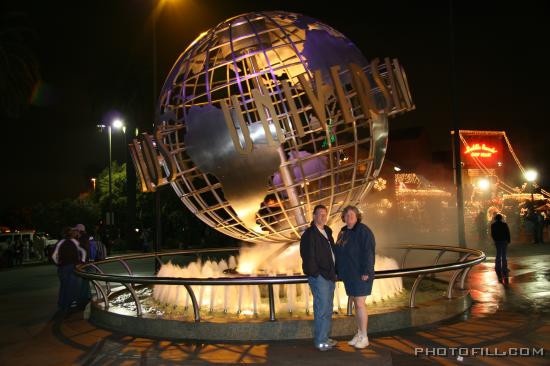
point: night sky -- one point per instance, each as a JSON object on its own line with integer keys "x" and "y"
{"x": 95, "y": 59}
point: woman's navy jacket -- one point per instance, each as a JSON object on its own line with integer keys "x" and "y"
{"x": 354, "y": 252}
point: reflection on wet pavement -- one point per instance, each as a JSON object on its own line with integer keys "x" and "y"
{"x": 528, "y": 288}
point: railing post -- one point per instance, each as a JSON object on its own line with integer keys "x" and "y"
{"x": 455, "y": 276}
{"x": 196, "y": 309}
{"x": 130, "y": 288}
{"x": 412, "y": 298}
{"x": 463, "y": 278}
{"x": 271, "y": 302}
{"x": 452, "y": 283}
{"x": 103, "y": 294}
{"x": 441, "y": 252}
{"x": 158, "y": 259}
{"x": 107, "y": 285}
{"x": 126, "y": 266}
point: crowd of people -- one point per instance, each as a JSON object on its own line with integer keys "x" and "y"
{"x": 22, "y": 249}
{"x": 38, "y": 248}
{"x": 74, "y": 248}
{"x": 527, "y": 224}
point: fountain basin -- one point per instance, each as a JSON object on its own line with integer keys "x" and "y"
{"x": 429, "y": 295}
{"x": 384, "y": 316}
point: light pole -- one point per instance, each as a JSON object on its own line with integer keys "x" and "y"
{"x": 531, "y": 176}
{"x": 158, "y": 218}
{"x": 117, "y": 124}
{"x": 456, "y": 132}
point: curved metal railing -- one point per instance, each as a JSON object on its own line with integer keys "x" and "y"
{"x": 459, "y": 268}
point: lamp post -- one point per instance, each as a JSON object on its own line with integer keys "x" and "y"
{"x": 531, "y": 176}
{"x": 157, "y": 206}
{"x": 456, "y": 132}
{"x": 117, "y": 124}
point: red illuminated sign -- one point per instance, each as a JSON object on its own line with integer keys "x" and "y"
{"x": 480, "y": 151}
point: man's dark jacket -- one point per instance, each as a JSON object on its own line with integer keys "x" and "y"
{"x": 316, "y": 253}
{"x": 500, "y": 232}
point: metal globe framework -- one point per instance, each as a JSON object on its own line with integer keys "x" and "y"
{"x": 242, "y": 111}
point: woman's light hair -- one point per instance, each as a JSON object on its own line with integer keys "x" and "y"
{"x": 351, "y": 208}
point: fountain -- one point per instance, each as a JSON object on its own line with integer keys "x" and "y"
{"x": 260, "y": 119}
{"x": 292, "y": 298}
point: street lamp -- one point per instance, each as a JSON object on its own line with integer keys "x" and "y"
{"x": 116, "y": 124}
{"x": 93, "y": 183}
{"x": 531, "y": 176}
{"x": 483, "y": 184}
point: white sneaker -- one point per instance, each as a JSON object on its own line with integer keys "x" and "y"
{"x": 331, "y": 342}
{"x": 362, "y": 342}
{"x": 323, "y": 347}
{"x": 354, "y": 339}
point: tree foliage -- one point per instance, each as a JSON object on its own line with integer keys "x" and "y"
{"x": 180, "y": 228}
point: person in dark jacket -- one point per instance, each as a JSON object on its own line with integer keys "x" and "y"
{"x": 354, "y": 251}
{"x": 84, "y": 240}
{"x": 501, "y": 236}
{"x": 318, "y": 264}
{"x": 67, "y": 254}
{"x": 18, "y": 250}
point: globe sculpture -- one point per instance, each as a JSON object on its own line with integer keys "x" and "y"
{"x": 271, "y": 113}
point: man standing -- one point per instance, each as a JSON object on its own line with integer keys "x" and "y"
{"x": 66, "y": 256}
{"x": 84, "y": 295}
{"x": 501, "y": 235}
{"x": 318, "y": 264}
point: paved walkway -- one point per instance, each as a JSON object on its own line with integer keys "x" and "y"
{"x": 503, "y": 317}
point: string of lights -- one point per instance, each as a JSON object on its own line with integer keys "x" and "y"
{"x": 407, "y": 178}
{"x": 478, "y": 162}
{"x": 502, "y": 185}
{"x": 514, "y": 154}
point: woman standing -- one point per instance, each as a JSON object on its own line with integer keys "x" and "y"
{"x": 354, "y": 251}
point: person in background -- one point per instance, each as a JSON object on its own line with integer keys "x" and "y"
{"x": 38, "y": 245}
{"x": 83, "y": 238}
{"x": 501, "y": 236}
{"x": 18, "y": 252}
{"x": 10, "y": 253}
{"x": 66, "y": 255}
{"x": 93, "y": 249}
{"x": 26, "y": 250}
{"x": 145, "y": 241}
{"x": 84, "y": 241}
{"x": 539, "y": 227}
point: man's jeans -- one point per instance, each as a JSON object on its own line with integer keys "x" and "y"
{"x": 501, "y": 262}
{"x": 323, "y": 297}
{"x": 69, "y": 286}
